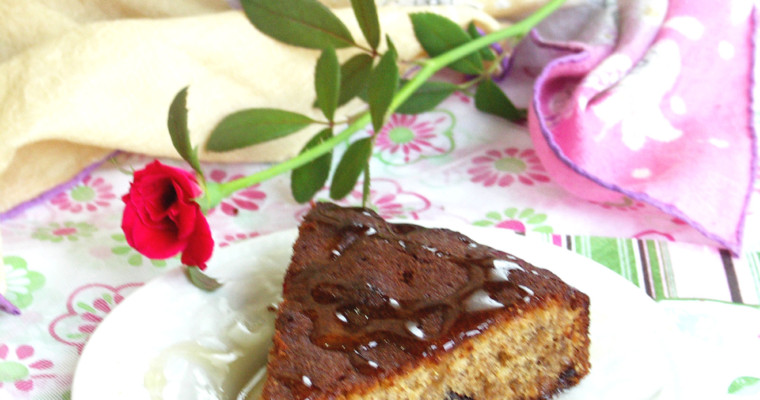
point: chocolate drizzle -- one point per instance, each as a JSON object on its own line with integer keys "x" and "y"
{"x": 359, "y": 319}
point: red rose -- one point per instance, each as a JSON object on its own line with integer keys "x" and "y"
{"x": 161, "y": 217}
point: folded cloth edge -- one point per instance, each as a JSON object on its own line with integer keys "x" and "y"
{"x": 733, "y": 246}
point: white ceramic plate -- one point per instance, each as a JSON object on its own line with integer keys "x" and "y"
{"x": 171, "y": 341}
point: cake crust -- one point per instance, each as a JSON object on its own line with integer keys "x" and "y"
{"x": 374, "y": 310}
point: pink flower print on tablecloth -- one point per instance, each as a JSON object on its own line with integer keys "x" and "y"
{"x": 71, "y": 231}
{"x": 232, "y": 238}
{"x": 246, "y": 199}
{"x": 505, "y": 167}
{"x": 86, "y": 308}
{"x": 462, "y": 97}
{"x": 407, "y": 139}
{"x": 386, "y": 197}
{"x": 624, "y": 204}
{"x": 520, "y": 221}
{"x": 20, "y": 369}
{"x": 90, "y": 194}
{"x": 654, "y": 234}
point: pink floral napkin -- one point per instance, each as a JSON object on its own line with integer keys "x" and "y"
{"x": 649, "y": 100}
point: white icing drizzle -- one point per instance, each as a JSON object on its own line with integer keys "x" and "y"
{"x": 414, "y": 329}
{"x": 502, "y": 268}
{"x": 527, "y": 290}
{"x": 480, "y": 300}
{"x": 394, "y": 303}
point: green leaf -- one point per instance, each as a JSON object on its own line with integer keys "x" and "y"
{"x": 391, "y": 46}
{"x": 253, "y": 126}
{"x": 201, "y": 280}
{"x": 352, "y": 164}
{"x": 303, "y": 23}
{"x": 383, "y": 82}
{"x": 327, "y": 82}
{"x": 366, "y": 15}
{"x": 427, "y": 97}
{"x": 486, "y": 53}
{"x": 741, "y": 383}
{"x": 178, "y": 131}
{"x": 354, "y": 75}
{"x": 366, "y": 185}
{"x": 438, "y": 34}
{"x": 307, "y": 179}
{"x": 490, "y": 99}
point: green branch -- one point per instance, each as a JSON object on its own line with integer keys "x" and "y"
{"x": 429, "y": 68}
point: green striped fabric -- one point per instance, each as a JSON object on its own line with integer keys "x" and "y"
{"x": 753, "y": 263}
{"x": 648, "y": 264}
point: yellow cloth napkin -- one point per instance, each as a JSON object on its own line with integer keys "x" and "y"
{"x": 79, "y": 79}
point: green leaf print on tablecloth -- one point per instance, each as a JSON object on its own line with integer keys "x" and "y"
{"x": 740, "y": 384}
{"x": 133, "y": 258}
{"x": 21, "y": 371}
{"x": 21, "y": 282}
{"x": 517, "y": 220}
{"x": 71, "y": 231}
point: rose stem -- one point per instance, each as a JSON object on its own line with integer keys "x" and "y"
{"x": 429, "y": 68}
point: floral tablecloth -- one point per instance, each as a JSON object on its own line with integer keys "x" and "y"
{"x": 68, "y": 264}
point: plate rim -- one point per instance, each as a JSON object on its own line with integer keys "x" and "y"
{"x": 93, "y": 344}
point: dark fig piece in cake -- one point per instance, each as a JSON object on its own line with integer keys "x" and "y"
{"x": 374, "y": 310}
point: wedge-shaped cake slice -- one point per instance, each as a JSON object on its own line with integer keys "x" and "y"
{"x": 374, "y": 310}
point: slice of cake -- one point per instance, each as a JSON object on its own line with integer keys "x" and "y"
{"x": 374, "y": 310}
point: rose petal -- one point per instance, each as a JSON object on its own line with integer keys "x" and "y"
{"x": 183, "y": 215}
{"x": 152, "y": 243}
{"x": 200, "y": 245}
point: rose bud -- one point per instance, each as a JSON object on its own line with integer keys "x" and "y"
{"x": 161, "y": 217}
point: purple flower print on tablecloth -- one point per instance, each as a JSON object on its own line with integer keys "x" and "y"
{"x": 248, "y": 199}
{"x": 21, "y": 281}
{"x": 20, "y": 369}
{"x": 519, "y": 221}
{"x": 92, "y": 193}
{"x": 406, "y": 139}
{"x": 507, "y": 166}
{"x": 386, "y": 197}
{"x": 85, "y": 309}
{"x": 57, "y": 232}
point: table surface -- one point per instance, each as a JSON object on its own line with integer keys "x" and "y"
{"x": 68, "y": 264}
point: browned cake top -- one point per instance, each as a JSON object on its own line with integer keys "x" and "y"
{"x": 365, "y": 299}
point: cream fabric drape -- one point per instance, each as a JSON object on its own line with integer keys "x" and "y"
{"x": 82, "y": 78}
{"x": 79, "y": 79}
